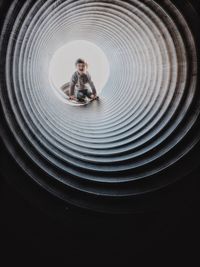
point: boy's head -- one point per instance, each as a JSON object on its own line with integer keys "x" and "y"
{"x": 81, "y": 64}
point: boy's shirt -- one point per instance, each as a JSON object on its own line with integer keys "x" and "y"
{"x": 80, "y": 80}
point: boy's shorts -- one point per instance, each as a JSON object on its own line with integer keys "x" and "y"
{"x": 82, "y": 93}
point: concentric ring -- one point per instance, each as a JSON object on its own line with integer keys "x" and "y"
{"x": 142, "y": 129}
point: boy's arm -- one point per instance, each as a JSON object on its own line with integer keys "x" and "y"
{"x": 92, "y": 84}
{"x": 73, "y": 82}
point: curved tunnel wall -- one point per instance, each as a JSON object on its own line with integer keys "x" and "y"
{"x": 140, "y": 136}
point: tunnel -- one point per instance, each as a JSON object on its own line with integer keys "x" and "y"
{"x": 143, "y": 133}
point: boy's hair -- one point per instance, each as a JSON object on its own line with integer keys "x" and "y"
{"x": 80, "y": 60}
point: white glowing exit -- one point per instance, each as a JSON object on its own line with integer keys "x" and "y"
{"x": 62, "y": 64}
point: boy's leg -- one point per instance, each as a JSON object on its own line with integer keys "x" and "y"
{"x": 80, "y": 95}
{"x": 88, "y": 93}
{"x": 66, "y": 91}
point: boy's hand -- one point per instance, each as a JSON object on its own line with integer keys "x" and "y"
{"x": 94, "y": 96}
{"x": 72, "y": 97}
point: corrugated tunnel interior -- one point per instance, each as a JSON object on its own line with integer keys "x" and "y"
{"x": 143, "y": 133}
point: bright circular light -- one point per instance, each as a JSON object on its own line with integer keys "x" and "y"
{"x": 62, "y": 64}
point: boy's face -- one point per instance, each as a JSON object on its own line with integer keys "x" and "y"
{"x": 81, "y": 67}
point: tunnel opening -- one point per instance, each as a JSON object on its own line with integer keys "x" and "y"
{"x": 130, "y": 144}
{"x": 62, "y": 64}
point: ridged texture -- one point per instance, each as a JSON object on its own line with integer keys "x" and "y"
{"x": 134, "y": 138}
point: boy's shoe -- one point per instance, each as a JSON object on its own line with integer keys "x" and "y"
{"x": 82, "y": 100}
{"x": 92, "y": 99}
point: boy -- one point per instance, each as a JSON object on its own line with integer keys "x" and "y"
{"x": 79, "y": 79}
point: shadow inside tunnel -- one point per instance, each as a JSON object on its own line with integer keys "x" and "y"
{"x": 34, "y": 222}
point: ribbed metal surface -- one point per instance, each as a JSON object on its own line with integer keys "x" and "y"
{"x": 132, "y": 140}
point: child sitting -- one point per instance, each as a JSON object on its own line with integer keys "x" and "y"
{"x": 78, "y": 84}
